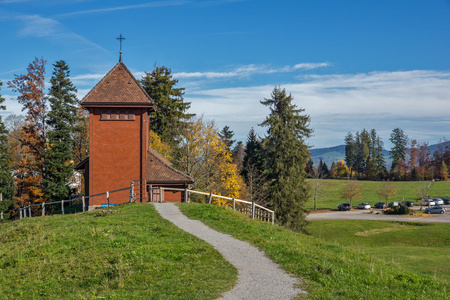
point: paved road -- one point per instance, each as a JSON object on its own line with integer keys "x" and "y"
{"x": 359, "y": 214}
{"x": 259, "y": 277}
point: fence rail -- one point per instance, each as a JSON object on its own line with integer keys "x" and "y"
{"x": 252, "y": 209}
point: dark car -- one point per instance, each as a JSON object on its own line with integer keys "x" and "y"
{"x": 446, "y": 201}
{"x": 344, "y": 206}
{"x": 408, "y": 203}
{"x": 380, "y": 205}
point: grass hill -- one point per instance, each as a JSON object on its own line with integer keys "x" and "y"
{"x": 134, "y": 254}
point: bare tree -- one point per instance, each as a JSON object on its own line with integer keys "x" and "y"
{"x": 318, "y": 184}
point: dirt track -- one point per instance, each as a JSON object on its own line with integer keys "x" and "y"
{"x": 360, "y": 214}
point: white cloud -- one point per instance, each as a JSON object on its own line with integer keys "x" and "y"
{"x": 248, "y": 70}
{"x": 416, "y": 101}
{"x": 125, "y": 7}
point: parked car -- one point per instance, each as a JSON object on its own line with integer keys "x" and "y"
{"x": 427, "y": 202}
{"x": 364, "y": 205}
{"x": 435, "y": 210}
{"x": 380, "y": 205}
{"x": 438, "y": 201}
{"x": 446, "y": 201}
{"x": 408, "y": 203}
{"x": 344, "y": 206}
{"x": 394, "y": 204}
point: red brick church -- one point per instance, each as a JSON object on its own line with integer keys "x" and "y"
{"x": 119, "y": 150}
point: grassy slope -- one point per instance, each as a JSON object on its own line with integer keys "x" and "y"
{"x": 129, "y": 254}
{"x": 331, "y": 191}
{"x": 329, "y": 271}
{"x": 418, "y": 247}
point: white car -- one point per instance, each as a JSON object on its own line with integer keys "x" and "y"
{"x": 364, "y": 205}
{"x": 438, "y": 201}
{"x": 427, "y": 202}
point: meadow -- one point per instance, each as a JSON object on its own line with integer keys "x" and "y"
{"x": 330, "y": 192}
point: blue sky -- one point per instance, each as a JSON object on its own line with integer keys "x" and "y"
{"x": 350, "y": 64}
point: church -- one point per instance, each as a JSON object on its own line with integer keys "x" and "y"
{"x": 119, "y": 152}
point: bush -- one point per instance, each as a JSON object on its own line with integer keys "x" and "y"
{"x": 402, "y": 209}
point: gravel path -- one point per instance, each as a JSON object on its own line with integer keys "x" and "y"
{"x": 259, "y": 277}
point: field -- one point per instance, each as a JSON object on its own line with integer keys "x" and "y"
{"x": 331, "y": 192}
{"x": 329, "y": 270}
{"x": 130, "y": 254}
{"x": 418, "y": 247}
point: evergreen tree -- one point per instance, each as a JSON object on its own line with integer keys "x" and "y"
{"x": 252, "y": 155}
{"x": 398, "y": 152}
{"x": 286, "y": 155}
{"x": 309, "y": 167}
{"x": 227, "y": 135}
{"x": 171, "y": 109}
{"x": 350, "y": 151}
{"x": 62, "y": 120}
{"x": 6, "y": 179}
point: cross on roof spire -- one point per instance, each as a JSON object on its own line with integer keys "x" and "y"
{"x": 120, "y": 38}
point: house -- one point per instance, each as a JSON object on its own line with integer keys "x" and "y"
{"x": 119, "y": 151}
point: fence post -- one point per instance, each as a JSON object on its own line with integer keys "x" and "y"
{"x": 83, "y": 201}
{"x": 185, "y": 195}
{"x": 150, "y": 191}
{"x": 43, "y": 208}
{"x": 62, "y": 207}
{"x": 210, "y": 198}
{"x": 234, "y": 204}
{"x": 273, "y": 218}
{"x": 20, "y": 214}
{"x": 29, "y": 210}
{"x": 253, "y": 210}
{"x": 131, "y": 191}
{"x": 107, "y": 199}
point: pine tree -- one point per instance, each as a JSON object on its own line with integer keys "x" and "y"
{"x": 171, "y": 109}
{"x": 6, "y": 178}
{"x": 226, "y": 134}
{"x": 350, "y": 151}
{"x": 62, "y": 120}
{"x": 252, "y": 156}
{"x": 286, "y": 155}
{"x": 398, "y": 152}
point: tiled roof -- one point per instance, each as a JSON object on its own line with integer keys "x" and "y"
{"x": 160, "y": 170}
{"x": 118, "y": 87}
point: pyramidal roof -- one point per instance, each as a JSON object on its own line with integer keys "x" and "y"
{"x": 118, "y": 87}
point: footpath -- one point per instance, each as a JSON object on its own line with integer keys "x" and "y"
{"x": 258, "y": 278}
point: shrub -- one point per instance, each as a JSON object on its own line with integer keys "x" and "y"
{"x": 402, "y": 209}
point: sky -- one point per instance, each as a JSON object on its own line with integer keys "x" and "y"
{"x": 351, "y": 65}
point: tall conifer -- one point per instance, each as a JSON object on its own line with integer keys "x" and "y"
{"x": 6, "y": 179}
{"x": 286, "y": 155}
{"x": 62, "y": 120}
{"x": 171, "y": 110}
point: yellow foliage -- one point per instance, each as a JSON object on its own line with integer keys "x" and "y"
{"x": 205, "y": 157}
{"x": 161, "y": 147}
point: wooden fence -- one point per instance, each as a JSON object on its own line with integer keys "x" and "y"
{"x": 252, "y": 209}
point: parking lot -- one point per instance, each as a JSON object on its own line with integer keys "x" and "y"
{"x": 377, "y": 214}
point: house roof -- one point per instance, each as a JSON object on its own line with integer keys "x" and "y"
{"x": 160, "y": 170}
{"x": 118, "y": 87}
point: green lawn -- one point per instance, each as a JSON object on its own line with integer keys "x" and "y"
{"x": 331, "y": 192}
{"x": 131, "y": 254}
{"x": 328, "y": 270}
{"x": 419, "y": 247}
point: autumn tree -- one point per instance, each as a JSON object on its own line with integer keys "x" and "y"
{"x": 62, "y": 120}
{"x": 203, "y": 155}
{"x": 81, "y": 137}
{"x": 171, "y": 109}
{"x": 285, "y": 155}
{"x": 160, "y": 146}
{"x": 14, "y": 124}
{"x": 6, "y": 178}
{"x": 352, "y": 190}
{"x": 31, "y": 167}
{"x": 388, "y": 190}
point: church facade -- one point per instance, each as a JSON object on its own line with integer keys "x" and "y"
{"x": 119, "y": 152}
